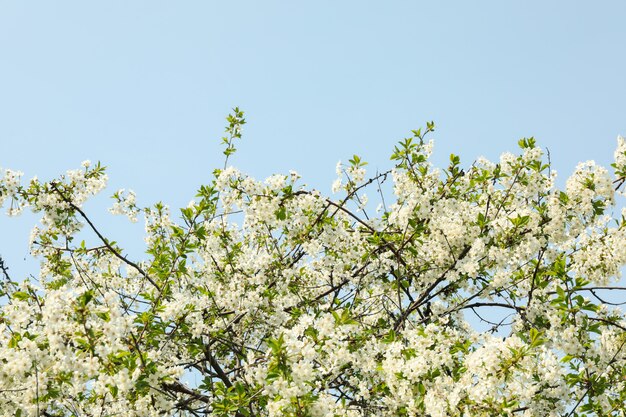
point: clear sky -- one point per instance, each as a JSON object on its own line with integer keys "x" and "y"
{"x": 144, "y": 87}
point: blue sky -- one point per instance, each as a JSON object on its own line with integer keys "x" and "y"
{"x": 144, "y": 87}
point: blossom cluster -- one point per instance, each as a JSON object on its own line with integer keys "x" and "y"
{"x": 478, "y": 291}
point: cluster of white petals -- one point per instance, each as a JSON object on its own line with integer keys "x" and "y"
{"x": 483, "y": 291}
{"x": 125, "y": 204}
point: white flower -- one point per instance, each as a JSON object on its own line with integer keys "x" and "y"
{"x": 336, "y": 185}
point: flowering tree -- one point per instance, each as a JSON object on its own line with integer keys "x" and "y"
{"x": 483, "y": 291}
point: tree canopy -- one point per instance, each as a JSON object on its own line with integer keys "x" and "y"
{"x": 480, "y": 290}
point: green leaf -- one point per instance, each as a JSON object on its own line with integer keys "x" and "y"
{"x": 15, "y": 339}
{"x": 390, "y": 337}
{"x": 104, "y": 316}
{"x": 21, "y": 295}
{"x": 85, "y": 298}
{"x": 281, "y": 213}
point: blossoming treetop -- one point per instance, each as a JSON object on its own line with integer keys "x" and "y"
{"x": 270, "y": 299}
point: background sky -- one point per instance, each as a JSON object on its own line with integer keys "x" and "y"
{"x": 144, "y": 87}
